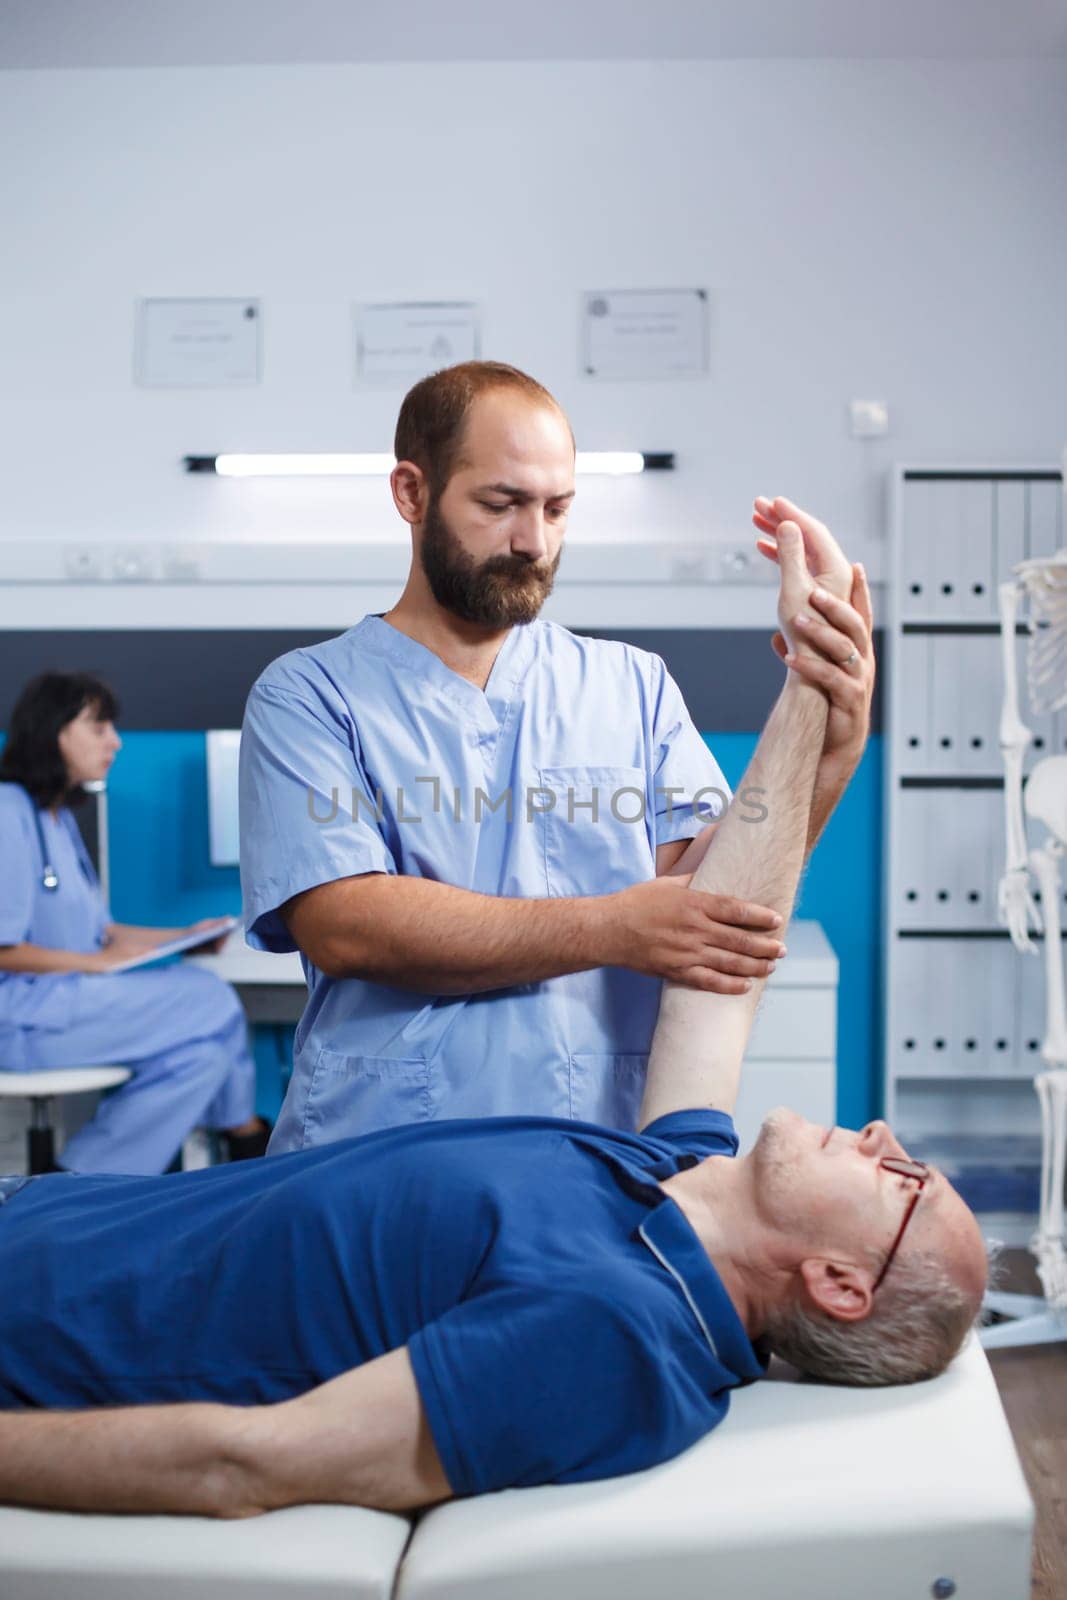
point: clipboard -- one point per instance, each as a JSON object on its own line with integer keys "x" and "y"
{"x": 174, "y": 947}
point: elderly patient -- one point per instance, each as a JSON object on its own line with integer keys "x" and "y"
{"x": 457, "y": 1307}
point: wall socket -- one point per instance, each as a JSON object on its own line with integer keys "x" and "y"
{"x": 180, "y": 565}
{"x": 132, "y": 566}
{"x": 83, "y": 563}
{"x": 692, "y": 569}
{"x": 130, "y": 563}
{"x": 742, "y": 563}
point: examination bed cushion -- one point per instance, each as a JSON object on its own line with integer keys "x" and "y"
{"x": 805, "y": 1491}
{"x": 302, "y": 1553}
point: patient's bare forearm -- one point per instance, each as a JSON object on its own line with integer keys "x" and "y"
{"x": 180, "y": 1458}
{"x": 431, "y": 937}
{"x": 759, "y": 857}
{"x": 360, "y": 1439}
{"x": 700, "y": 1038}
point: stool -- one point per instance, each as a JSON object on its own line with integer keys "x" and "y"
{"x": 41, "y": 1087}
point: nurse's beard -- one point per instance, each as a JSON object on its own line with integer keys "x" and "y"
{"x": 498, "y": 593}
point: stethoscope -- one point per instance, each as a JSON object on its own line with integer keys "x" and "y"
{"x": 49, "y": 877}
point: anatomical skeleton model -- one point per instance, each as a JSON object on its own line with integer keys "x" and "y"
{"x": 1043, "y": 583}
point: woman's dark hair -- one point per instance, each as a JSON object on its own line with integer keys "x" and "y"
{"x": 31, "y": 755}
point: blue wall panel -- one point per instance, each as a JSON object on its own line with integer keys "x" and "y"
{"x": 160, "y": 870}
{"x": 157, "y": 823}
{"x": 160, "y": 873}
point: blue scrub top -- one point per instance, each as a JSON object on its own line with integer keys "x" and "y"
{"x": 71, "y": 917}
{"x": 368, "y": 754}
{"x": 562, "y": 1318}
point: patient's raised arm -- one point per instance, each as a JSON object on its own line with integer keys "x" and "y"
{"x": 700, "y": 1038}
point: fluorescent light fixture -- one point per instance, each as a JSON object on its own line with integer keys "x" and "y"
{"x": 603, "y": 463}
{"x": 612, "y": 463}
{"x": 304, "y": 466}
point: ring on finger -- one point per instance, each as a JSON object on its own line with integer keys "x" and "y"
{"x": 850, "y": 660}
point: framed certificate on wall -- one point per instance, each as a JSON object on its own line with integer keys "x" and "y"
{"x": 197, "y": 344}
{"x": 396, "y": 345}
{"x": 645, "y": 333}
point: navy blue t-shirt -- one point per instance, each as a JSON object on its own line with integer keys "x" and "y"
{"x": 562, "y": 1318}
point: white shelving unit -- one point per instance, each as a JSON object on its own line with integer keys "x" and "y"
{"x": 964, "y": 1012}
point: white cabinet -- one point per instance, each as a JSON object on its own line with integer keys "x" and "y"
{"x": 964, "y": 1012}
{"x": 792, "y": 1054}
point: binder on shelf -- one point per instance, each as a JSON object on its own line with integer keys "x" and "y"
{"x": 970, "y": 516}
{"x": 918, "y": 533}
{"x": 948, "y": 694}
{"x": 912, "y": 722}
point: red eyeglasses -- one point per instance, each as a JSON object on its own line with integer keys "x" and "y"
{"x": 907, "y": 1169}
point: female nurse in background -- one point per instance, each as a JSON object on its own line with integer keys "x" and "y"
{"x": 180, "y": 1030}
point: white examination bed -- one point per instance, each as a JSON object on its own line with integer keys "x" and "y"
{"x": 806, "y": 1492}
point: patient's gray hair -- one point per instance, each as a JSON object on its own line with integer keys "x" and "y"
{"x": 918, "y": 1320}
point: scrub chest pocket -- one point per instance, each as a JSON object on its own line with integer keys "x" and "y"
{"x": 596, "y": 827}
{"x": 364, "y": 1094}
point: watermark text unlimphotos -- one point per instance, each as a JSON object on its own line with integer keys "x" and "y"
{"x": 627, "y": 803}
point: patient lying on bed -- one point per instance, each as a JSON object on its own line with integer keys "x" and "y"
{"x": 458, "y": 1307}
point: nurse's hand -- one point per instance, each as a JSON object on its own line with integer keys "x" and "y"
{"x": 842, "y": 665}
{"x": 705, "y": 941}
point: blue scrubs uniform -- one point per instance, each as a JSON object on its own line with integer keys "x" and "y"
{"x": 368, "y": 754}
{"x": 180, "y": 1030}
{"x": 562, "y": 1318}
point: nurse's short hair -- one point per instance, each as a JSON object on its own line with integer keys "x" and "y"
{"x": 433, "y": 416}
{"x": 46, "y": 704}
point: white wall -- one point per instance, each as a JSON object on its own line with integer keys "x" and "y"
{"x": 884, "y": 230}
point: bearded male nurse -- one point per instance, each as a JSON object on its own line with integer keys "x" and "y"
{"x": 476, "y": 826}
{"x": 468, "y": 1305}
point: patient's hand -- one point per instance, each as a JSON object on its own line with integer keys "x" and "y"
{"x": 826, "y": 561}
{"x": 839, "y": 654}
{"x": 795, "y": 612}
